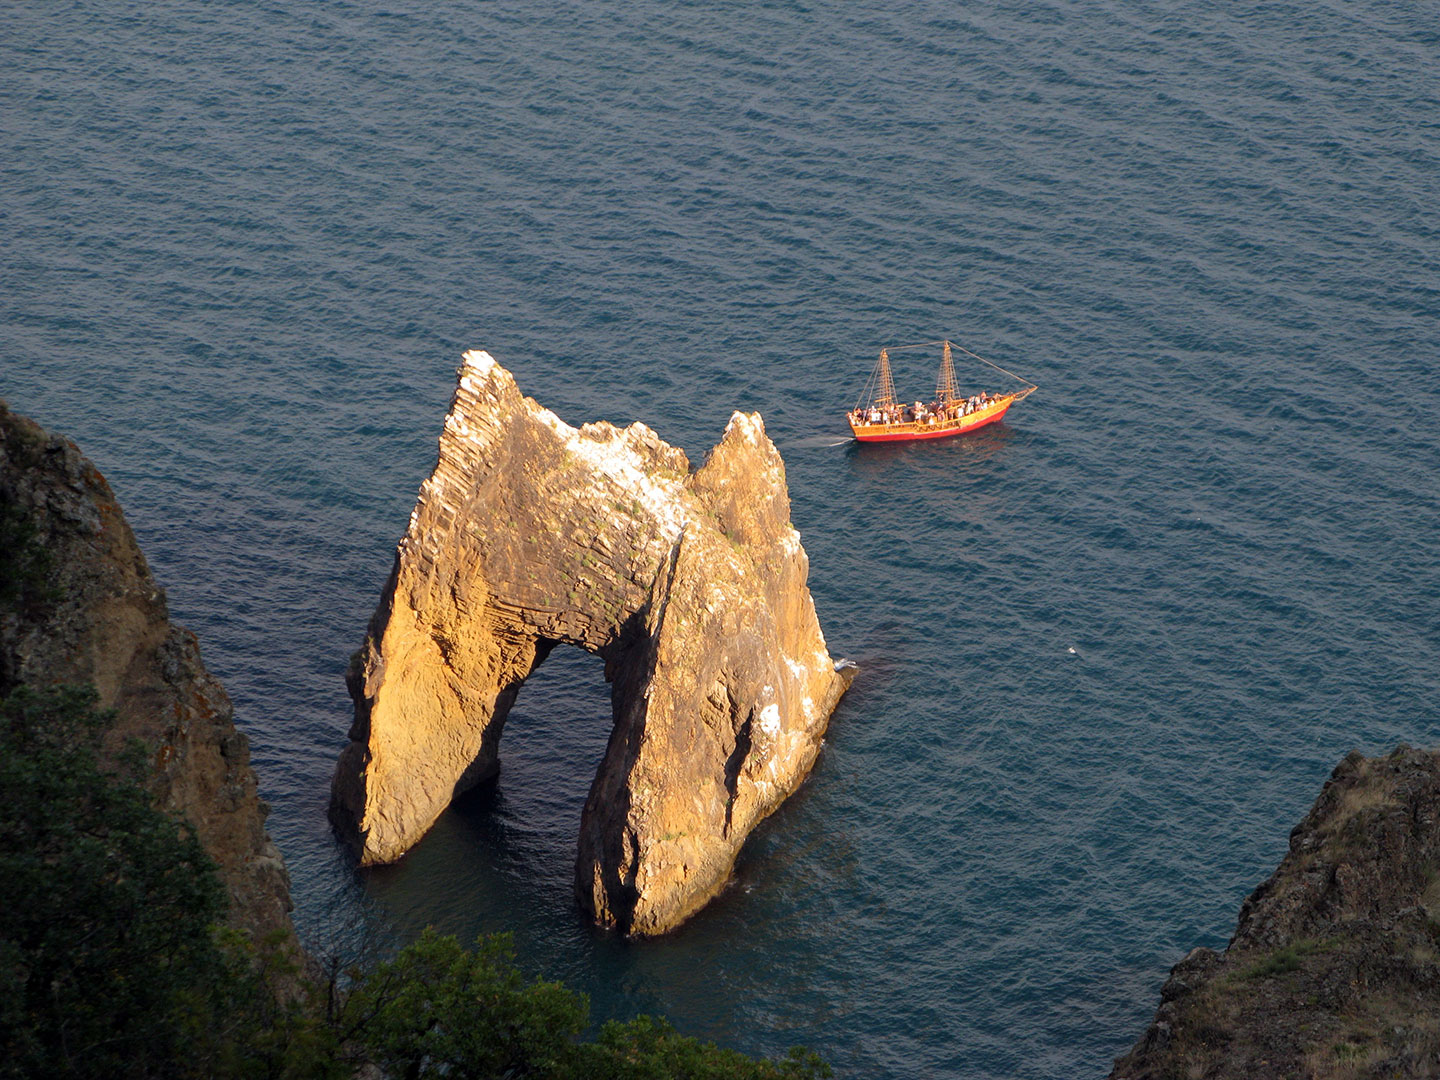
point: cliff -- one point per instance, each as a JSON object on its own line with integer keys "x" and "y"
{"x": 94, "y": 614}
{"x": 1334, "y": 969}
{"x": 530, "y": 533}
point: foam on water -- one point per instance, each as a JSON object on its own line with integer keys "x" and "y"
{"x": 1109, "y": 649}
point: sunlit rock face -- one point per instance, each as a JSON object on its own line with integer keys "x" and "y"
{"x": 531, "y": 533}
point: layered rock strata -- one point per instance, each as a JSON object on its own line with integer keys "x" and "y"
{"x": 96, "y": 615}
{"x": 1334, "y": 968}
{"x": 531, "y": 533}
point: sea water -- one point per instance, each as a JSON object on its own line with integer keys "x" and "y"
{"x": 1109, "y": 649}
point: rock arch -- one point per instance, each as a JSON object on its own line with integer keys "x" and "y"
{"x": 530, "y": 533}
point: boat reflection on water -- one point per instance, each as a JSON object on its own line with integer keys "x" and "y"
{"x": 881, "y": 462}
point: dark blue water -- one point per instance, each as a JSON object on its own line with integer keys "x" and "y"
{"x": 245, "y": 244}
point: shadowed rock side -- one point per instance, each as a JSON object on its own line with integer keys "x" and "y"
{"x": 103, "y": 620}
{"x": 531, "y": 533}
{"x": 1334, "y": 969}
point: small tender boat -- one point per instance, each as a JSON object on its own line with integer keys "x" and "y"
{"x": 878, "y": 417}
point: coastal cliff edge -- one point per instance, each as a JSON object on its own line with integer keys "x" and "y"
{"x": 1333, "y": 972}
{"x": 101, "y": 619}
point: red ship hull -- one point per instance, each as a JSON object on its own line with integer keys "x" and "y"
{"x": 916, "y": 432}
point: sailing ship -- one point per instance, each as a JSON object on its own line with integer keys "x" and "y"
{"x": 878, "y": 417}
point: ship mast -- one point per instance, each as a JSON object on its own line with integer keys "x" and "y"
{"x": 879, "y": 392}
{"x": 884, "y": 384}
{"x": 945, "y": 390}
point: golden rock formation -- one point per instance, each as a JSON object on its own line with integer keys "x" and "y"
{"x": 691, "y": 586}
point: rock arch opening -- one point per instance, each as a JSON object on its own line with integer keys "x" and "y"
{"x": 553, "y": 744}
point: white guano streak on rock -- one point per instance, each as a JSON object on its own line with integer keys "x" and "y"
{"x": 750, "y": 425}
{"x": 662, "y": 499}
{"x": 770, "y": 719}
{"x": 480, "y": 361}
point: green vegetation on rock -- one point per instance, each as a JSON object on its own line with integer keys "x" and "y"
{"x": 109, "y": 965}
{"x": 1282, "y": 961}
{"x": 439, "y": 1010}
{"x": 25, "y": 569}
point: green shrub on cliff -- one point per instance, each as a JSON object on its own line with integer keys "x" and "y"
{"x": 439, "y": 1010}
{"x": 106, "y": 904}
{"x": 111, "y": 963}
{"x": 649, "y": 1048}
{"x": 25, "y": 567}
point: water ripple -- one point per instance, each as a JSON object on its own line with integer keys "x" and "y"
{"x": 245, "y": 246}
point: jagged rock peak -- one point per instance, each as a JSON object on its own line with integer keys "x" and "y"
{"x": 530, "y": 533}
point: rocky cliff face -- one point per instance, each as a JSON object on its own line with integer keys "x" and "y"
{"x": 1334, "y": 969}
{"x": 101, "y": 618}
{"x": 531, "y": 533}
